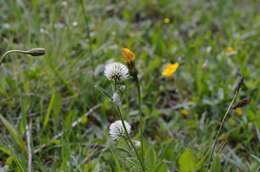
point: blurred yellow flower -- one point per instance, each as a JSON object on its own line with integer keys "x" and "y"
{"x": 166, "y": 20}
{"x": 224, "y": 137}
{"x": 238, "y": 112}
{"x": 170, "y": 69}
{"x": 128, "y": 55}
{"x": 230, "y": 51}
{"x": 84, "y": 120}
{"x": 184, "y": 112}
{"x": 56, "y": 141}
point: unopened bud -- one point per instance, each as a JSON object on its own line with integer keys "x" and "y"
{"x": 122, "y": 87}
{"x": 36, "y": 52}
{"x": 116, "y": 99}
{"x": 241, "y": 103}
{"x": 128, "y": 55}
{"x": 238, "y": 84}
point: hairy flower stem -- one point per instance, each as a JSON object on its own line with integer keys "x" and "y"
{"x": 138, "y": 87}
{"x": 129, "y": 139}
{"x": 140, "y": 159}
{"x": 223, "y": 121}
{"x": 9, "y": 52}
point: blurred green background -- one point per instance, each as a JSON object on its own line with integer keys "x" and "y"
{"x": 182, "y": 113}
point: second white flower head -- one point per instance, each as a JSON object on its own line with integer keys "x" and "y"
{"x": 116, "y": 71}
{"x": 116, "y": 129}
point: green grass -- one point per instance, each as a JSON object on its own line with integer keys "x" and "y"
{"x": 182, "y": 114}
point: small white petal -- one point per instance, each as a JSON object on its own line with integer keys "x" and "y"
{"x": 116, "y": 129}
{"x": 137, "y": 143}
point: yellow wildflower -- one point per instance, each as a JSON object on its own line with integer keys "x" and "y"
{"x": 128, "y": 55}
{"x": 224, "y": 137}
{"x": 166, "y": 20}
{"x": 230, "y": 51}
{"x": 184, "y": 112}
{"x": 238, "y": 112}
{"x": 84, "y": 120}
{"x": 170, "y": 69}
{"x": 56, "y": 141}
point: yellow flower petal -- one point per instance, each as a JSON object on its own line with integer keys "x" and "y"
{"x": 230, "y": 51}
{"x": 170, "y": 69}
{"x": 184, "y": 112}
{"x": 128, "y": 55}
{"x": 238, "y": 112}
{"x": 166, "y": 20}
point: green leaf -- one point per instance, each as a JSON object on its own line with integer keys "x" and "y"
{"x": 216, "y": 165}
{"x": 154, "y": 65}
{"x": 19, "y": 165}
{"x": 54, "y": 107}
{"x": 151, "y": 157}
{"x": 14, "y": 134}
{"x": 187, "y": 161}
{"x": 5, "y": 150}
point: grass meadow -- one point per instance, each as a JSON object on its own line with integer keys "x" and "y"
{"x": 56, "y": 110}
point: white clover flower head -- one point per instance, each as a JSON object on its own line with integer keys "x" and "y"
{"x": 116, "y": 129}
{"x": 116, "y": 71}
{"x": 116, "y": 99}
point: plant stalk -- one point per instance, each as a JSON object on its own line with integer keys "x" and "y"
{"x": 138, "y": 87}
{"x": 222, "y": 125}
{"x": 129, "y": 139}
{"x": 90, "y": 49}
{"x": 32, "y": 52}
{"x": 29, "y": 144}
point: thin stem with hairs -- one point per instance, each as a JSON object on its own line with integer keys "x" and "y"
{"x": 138, "y": 87}
{"x": 32, "y": 52}
{"x": 127, "y": 134}
{"x": 129, "y": 139}
{"x": 236, "y": 92}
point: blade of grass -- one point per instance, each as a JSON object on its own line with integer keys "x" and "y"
{"x": 14, "y": 134}
{"x": 50, "y": 107}
{"x": 74, "y": 124}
